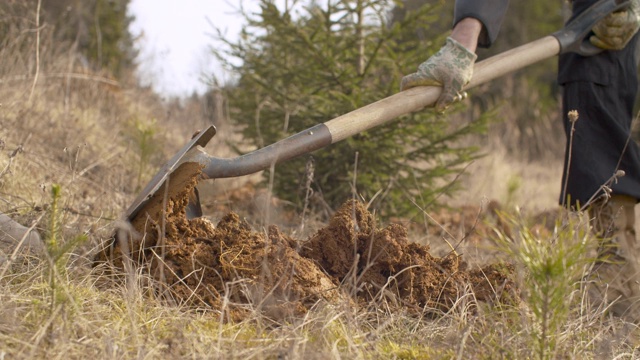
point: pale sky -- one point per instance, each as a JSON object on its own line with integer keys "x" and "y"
{"x": 173, "y": 48}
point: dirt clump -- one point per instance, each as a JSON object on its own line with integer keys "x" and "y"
{"x": 164, "y": 212}
{"x": 375, "y": 263}
{"x": 245, "y": 268}
{"x": 232, "y": 268}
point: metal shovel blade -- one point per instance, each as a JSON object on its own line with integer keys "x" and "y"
{"x": 202, "y": 138}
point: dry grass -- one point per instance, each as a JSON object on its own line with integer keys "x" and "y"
{"x": 76, "y": 128}
{"x": 497, "y": 176}
{"x": 118, "y": 321}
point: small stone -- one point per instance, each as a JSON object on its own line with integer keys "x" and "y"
{"x": 12, "y": 233}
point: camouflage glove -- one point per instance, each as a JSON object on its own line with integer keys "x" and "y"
{"x": 451, "y": 68}
{"x": 616, "y": 29}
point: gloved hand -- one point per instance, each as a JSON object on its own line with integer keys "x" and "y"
{"x": 451, "y": 68}
{"x": 616, "y": 29}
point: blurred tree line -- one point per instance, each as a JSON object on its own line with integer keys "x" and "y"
{"x": 97, "y": 31}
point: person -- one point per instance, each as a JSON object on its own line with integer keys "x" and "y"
{"x": 602, "y": 162}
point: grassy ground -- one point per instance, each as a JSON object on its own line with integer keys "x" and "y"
{"x": 98, "y": 142}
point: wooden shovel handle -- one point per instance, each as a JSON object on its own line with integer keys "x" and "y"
{"x": 414, "y": 99}
{"x": 372, "y": 115}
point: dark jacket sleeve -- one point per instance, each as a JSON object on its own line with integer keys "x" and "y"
{"x": 489, "y": 12}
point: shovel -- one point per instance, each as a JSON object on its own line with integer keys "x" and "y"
{"x": 191, "y": 159}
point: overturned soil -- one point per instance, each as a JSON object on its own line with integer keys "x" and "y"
{"x": 230, "y": 267}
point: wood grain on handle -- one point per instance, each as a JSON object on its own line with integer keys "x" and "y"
{"x": 514, "y": 59}
{"x": 414, "y": 99}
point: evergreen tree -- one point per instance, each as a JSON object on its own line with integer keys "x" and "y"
{"x": 110, "y": 45}
{"x": 99, "y": 30}
{"x": 299, "y": 71}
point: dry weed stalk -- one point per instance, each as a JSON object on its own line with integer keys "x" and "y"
{"x": 37, "y": 71}
{"x": 573, "y": 118}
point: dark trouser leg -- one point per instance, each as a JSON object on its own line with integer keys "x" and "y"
{"x": 600, "y": 143}
{"x": 600, "y": 146}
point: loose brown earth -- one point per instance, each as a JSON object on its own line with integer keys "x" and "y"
{"x": 234, "y": 268}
